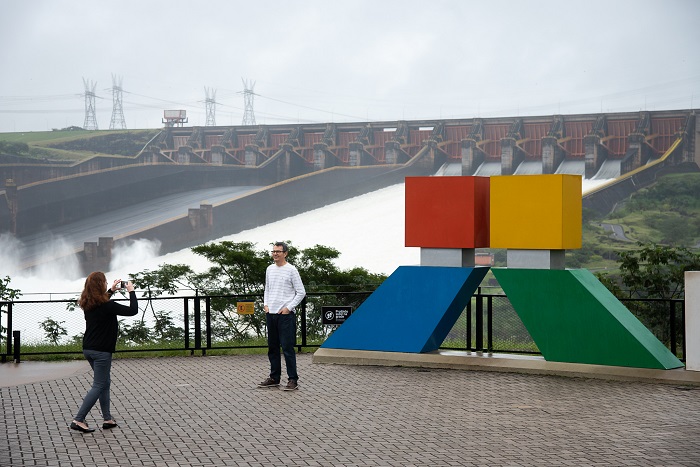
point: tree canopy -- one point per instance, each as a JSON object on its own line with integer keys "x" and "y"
{"x": 238, "y": 268}
{"x": 652, "y": 271}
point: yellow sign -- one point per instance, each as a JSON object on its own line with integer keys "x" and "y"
{"x": 245, "y": 307}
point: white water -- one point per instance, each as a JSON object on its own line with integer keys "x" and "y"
{"x": 368, "y": 230}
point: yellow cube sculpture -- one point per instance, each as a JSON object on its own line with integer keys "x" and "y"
{"x": 536, "y": 212}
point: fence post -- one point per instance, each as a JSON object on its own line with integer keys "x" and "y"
{"x": 207, "y": 320}
{"x": 197, "y": 323}
{"x": 9, "y": 330}
{"x": 489, "y": 323}
{"x": 479, "y": 323}
{"x": 303, "y": 324}
{"x": 672, "y": 327}
{"x": 469, "y": 325}
{"x": 187, "y": 324}
{"x": 685, "y": 334}
{"x": 15, "y": 337}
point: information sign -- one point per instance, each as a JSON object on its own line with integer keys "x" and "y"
{"x": 245, "y": 307}
{"x": 335, "y": 314}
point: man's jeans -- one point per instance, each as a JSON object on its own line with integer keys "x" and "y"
{"x": 101, "y": 364}
{"x": 281, "y": 331}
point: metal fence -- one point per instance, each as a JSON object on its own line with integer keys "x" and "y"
{"x": 198, "y": 323}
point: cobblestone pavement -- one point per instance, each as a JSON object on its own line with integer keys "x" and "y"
{"x": 197, "y": 411}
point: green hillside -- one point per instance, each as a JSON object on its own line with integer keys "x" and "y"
{"x": 74, "y": 144}
{"x": 667, "y": 212}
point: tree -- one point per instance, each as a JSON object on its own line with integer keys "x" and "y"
{"x": 239, "y": 269}
{"x": 7, "y": 293}
{"x": 53, "y": 330}
{"x": 655, "y": 271}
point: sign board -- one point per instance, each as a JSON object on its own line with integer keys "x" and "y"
{"x": 174, "y": 114}
{"x": 245, "y": 307}
{"x": 335, "y": 314}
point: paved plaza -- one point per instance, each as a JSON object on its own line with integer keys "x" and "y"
{"x": 206, "y": 411}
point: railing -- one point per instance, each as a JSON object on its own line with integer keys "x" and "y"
{"x": 488, "y": 324}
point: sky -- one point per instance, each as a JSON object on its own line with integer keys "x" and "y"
{"x": 348, "y": 61}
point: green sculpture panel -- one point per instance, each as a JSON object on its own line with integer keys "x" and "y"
{"x": 573, "y": 318}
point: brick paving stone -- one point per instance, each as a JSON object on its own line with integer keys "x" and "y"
{"x": 192, "y": 411}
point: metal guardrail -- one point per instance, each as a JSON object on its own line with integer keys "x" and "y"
{"x": 488, "y": 324}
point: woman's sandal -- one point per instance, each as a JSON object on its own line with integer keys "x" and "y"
{"x": 83, "y": 429}
{"x": 108, "y": 425}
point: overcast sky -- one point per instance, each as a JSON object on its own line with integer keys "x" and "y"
{"x": 348, "y": 60}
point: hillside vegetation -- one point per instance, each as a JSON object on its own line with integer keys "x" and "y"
{"x": 666, "y": 213}
{"x": 74, "y": 144}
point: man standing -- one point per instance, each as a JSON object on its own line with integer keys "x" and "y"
{"x": 283, "y": 291}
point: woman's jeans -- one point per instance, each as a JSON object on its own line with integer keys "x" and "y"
{"x": 101, "y": 364}
{"x": 281, "y": 331}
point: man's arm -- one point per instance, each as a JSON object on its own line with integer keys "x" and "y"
{"x": 299, "y": 291}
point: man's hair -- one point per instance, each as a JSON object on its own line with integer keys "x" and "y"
{"x": 283, "y": 245}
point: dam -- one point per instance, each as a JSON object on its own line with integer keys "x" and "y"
{"x": 266, "y": 173}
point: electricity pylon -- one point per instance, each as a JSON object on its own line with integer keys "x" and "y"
{"x": 248, "y": 94}
{"x": 210, "y": 106}
{"x": 90, "y": 118}
{"x": 117, "y": 122}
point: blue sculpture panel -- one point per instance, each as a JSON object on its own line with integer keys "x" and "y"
{"x": 412, "y": 311}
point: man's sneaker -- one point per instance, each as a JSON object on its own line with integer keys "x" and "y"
{"x": 269, "y": 383}
{"x": 291, "y": 385}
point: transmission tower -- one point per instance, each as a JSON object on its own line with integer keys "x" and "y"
{"x": 117, "y": 122}
{"x": 90, "y": 118}
{"x": 248, "y": 94}
{"x": 210, "y": 105}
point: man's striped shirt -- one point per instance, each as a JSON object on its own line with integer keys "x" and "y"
{"x": 283, "y": 287}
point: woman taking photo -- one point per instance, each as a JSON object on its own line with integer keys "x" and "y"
{"x": 99, "y": 342}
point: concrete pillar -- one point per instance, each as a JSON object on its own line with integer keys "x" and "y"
{"x": 194, "y": 217}
{"x": 595, "y": 154}
{"x": 551, "y": 155}
{"x": 535, "y": 259}
{"x": 508, "y": 156}
{"x": 105, "y": 245}
{"x": 391, "y": 153}
{"x": 472, "y": 157}
{"x": 355, "y": 154}
{"x": 183, "y": 154}
{"x": 250, "y": 155}
{"x": 319, "y": 157}
{"x": 692, "y": 320}
{"x": 218, "y": 155}
{"x": 449, "y": 257}
{"x": 207, "y": 214}
{"x": 90, "y": 251}
{"x": 636, "y": 141}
